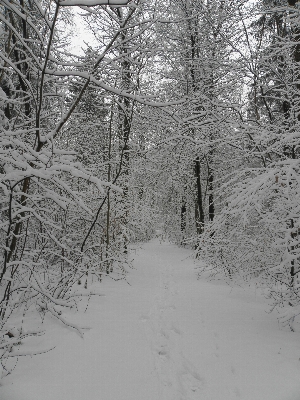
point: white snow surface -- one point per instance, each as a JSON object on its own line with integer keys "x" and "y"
{"x": 166, "y": 336}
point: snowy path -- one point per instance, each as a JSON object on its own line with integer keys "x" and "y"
{"x": 168, "y": 336}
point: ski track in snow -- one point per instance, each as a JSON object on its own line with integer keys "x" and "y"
{"x": 179, "y": 379}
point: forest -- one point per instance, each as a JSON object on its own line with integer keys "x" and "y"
{"x": 177, "y": 116}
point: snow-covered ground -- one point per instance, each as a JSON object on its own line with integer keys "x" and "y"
{"x": 166, "y": 336}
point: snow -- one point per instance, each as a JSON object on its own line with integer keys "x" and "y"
{"x": 92, "y": 3}
{"x": 164, "y": 335}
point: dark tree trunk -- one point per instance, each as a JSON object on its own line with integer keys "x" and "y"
{"x": 183, "y": 221}
{"x": 211, "y": 205}
{"x": 199, "y": 203}
{"x": 183, "y": 217}
{"x": 125, "y": 112}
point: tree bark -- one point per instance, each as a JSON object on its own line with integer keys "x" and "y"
{"x": 199, "y": 202}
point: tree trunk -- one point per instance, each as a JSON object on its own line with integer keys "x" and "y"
{"x": 199, "y": 202}
{"x": 211, "y": 206}
{"x": 183, "y": 220}
{"x": 125, "y": 112}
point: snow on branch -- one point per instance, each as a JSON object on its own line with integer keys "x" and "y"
{"x": 92, "y": 3}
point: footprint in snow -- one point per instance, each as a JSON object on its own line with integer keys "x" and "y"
{"x": 144, "y": 318}
{"x": 193, "y": 381}
{"x": 163, "y": 354}
{"x": 164, "y": 334}
{"x": 236, "y": 392}
{"x": 176, "y": 330}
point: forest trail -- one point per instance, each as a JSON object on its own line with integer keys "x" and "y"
{"x": 166, "y": 336}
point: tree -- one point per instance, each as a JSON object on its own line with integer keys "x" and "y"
{"x": 42, "y": 255}
{"x": 256, "y": 234}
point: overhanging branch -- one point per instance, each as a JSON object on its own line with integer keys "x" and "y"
{"x": 93, "y": 3}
